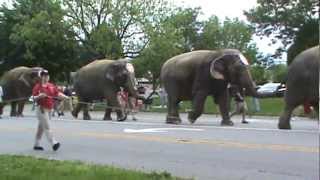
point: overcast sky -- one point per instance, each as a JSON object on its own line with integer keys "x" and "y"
{"x": 222, "y": 9}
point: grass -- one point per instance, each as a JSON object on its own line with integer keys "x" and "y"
{"x": 268, "y": 106}
{"x": 29, "y": 168}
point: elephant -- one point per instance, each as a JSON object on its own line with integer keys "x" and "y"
{"x": 102, "y": 79}
{"x": 198, "y": 74}
{"x": 302, "y": 84}
{"x": 17, "y": 87}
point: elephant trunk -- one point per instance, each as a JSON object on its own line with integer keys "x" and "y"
{"x": 131, "y": 85}
{"x": 251, "y": 88}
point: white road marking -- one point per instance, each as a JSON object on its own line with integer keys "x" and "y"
{"x": 159, "y": 130}
{"x": 213, "y": 126}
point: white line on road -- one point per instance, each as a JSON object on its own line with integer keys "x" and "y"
{"x": 159, "y": 130}
{"x": 195, "y": 126}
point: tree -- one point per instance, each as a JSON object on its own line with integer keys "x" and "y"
{"x": 279, "y": 73}
{"x": 231, "y": 33}
{"x": 38, "y": 36}
{"x": 174, "y": 35}
{"x": 294, "y": 22}
{"x": 185, "y": 21}
{"x": 123, "y": 24}
{"x": 259, "y": 74}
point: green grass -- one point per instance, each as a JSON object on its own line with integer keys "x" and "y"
{"x": 30, "y": 168}
{"x": 268, "y": 106}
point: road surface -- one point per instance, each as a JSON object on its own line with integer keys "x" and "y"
{"x": 204, "y": 150}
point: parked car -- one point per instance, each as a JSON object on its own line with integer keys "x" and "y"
{"x": 277, "y": 89}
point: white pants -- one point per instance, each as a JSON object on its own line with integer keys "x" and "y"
{"x": 43, "y": 126}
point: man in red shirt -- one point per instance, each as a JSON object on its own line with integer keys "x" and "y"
{"x": 44, "y": 93}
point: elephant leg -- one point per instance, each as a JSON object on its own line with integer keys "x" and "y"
{"x": 107, "y": 114}
{"x": 284, "y": 120}
{"x": 76, "y": 110}
{"x": 173, "y": 113}
{"x": 20, "y": 108}
{"x": 113, "y": 102}
{"x": 315, "y": 106}
{"x": 86, "y": 115}
{"x": 13, "y": 109}
{"x": 223, "y": 100}
{"x": 197, "y": 106}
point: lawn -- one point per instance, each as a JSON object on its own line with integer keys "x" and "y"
{"x": 31, "y": 168}
{"x": 268, "y": 106}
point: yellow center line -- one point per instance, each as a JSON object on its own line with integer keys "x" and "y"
{"x": 175, "y": 140}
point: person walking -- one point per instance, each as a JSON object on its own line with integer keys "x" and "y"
{"x": 44, "y": 93}
{"x": 163, "y": 97}
{"x": 240, "y": 104}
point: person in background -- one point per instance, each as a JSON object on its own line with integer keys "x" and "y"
{"x": 44, "y": 93}
{"x": 240, "y": 104}
{"x": 163, "y": 97}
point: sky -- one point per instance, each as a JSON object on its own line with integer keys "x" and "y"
{"x": 222, "y": 9}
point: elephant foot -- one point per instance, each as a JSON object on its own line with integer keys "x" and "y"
{"x": 173, "y": 120}
{"x": 20, "y": 115}
{"x": 226, "y": 123}
{"x": 74, "y": 114}
{"x": 86, "y": 117}
{"x": 123, "y": 118}
{"x": 245, "y": 122}
{"x": 191, "y": 117}
{"x": 107, "y": 118}
{"x": 284, "y": 126}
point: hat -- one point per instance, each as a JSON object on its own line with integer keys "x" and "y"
{"x": 44, "y": 72}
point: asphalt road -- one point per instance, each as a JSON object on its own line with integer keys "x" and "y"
{"x": 204, "y": 150}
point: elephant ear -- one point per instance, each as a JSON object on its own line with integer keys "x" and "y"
{"x": 217, "y": 67}
{"x": 114, "y": 69}
{"x": 24, "y": 79}
{"x": 110, "y": 72}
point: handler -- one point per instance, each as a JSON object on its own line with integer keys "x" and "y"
{"x": 44, "y": 93}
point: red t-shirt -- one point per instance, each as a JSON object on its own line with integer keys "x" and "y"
{"x": 50, "y": 90}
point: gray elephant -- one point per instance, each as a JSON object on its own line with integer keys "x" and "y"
{"x": 302, "y": 84}
{"x": 100, "y": 80}
{"x": 17, "y": 87}
{"x": 198, "y": 74}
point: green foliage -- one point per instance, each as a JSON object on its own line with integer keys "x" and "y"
{"x": 231, "y": 33}
{"x": 123, "y": 24}
{"x": 306, "y": 37}
{"x": 259, "y": 74}
{"x": 279, "y": 72}
{"x": 174, "y": 35}
{"x": 39, "y": 36}
{"x": 29, "y": 168}
{"x": 268, "y": 106}
{"x": 105, "y": 42}
{"x": 291, "y": 21}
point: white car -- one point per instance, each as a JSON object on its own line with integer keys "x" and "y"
{"x": 275, "y": 88}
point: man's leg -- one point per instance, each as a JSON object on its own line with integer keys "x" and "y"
{"x": 46, "y": 128}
